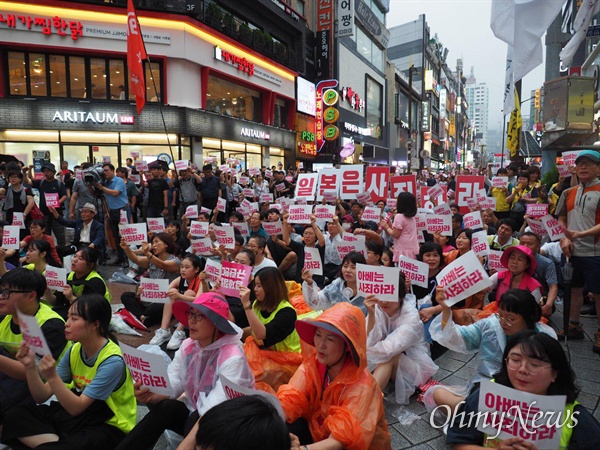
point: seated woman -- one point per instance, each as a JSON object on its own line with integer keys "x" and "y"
{"x": 517, "y": 311}
{"x": 95, "y": 405}
{"x": 174, "y": 230}
{"x": 213, "y": 348}
{"x": 396, "y": 347}
{"x": 37, "y": 230}
{"x": 332, "y": 400}
{"x": 536, "y": 364}
{"x": 83, "y": 279}
{"x": 343, "y": 288}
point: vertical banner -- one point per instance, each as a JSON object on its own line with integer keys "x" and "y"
{"x": 377, "y": 182}
{"x": 324, "y": 63}
{"x": 136, "y": 54}
{"x": 345, "y": 18}
{"x": 351, "y": 182}
{"x": 466, "y": 188}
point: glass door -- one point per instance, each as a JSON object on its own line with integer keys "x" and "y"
{"x": 75, "y": 154}
{"x": 106, "y": 153}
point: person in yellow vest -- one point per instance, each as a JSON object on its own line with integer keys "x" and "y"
{"x": 96, "y": 405}
{"x": 22, "y": 289}
{"x": 534, "y": 363}
{"x": 83, "y": 279}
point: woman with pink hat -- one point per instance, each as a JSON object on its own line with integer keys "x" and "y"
{"x": 214, "y": 348}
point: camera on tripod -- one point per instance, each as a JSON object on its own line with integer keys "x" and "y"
{"x": 92, "y": 176}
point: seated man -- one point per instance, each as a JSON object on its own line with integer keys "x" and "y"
{"x": 88, "y": 231}
{"x": 504, "y": 238}
{"x": 22, "y": 289}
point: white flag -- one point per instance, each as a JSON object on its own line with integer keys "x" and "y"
{"x": 587, "y": 10}
{"x": 509, "y": 83}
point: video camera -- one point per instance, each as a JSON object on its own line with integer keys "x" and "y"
{"x": 92, "y": 176}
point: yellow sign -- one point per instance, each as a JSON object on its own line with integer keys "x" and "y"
{"x": 514, "y": 128}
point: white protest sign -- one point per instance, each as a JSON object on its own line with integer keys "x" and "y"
{"x": 443, "y": 210}
{"x": 141, "y": 166}
{"x": 242, "y": 227}
{"x": 149, "y": 369}
{"x": 56, "y": 278}
{"x": 363, "y": 198}
{"x": 233, "y": 276}
{"x": 273, "y": 228}
{"x": 300, "y": 214}
{"x": 191, "y": 212}
{"x": 473, "y": 220}
{"x": 306, "y": 186}
{"x": 493, "y": 262}
{"x": 202, "y": 246}
{"x": 205, "y": 210}
{"x": 509, "y": 413}
{"x": 18, "y": 220}
{"x": 154, "y": 290}
{"x": 312, "y": 260}
{"x": 421, "y": 222}
{"x": 156, "y": 224}
{"x": 198, "y": 229}
{"x": 10, "y": 238}
{"x": 233, "y": 390}
{"x": 123, "y": 219}
{"x": 254, "y": 207}
{"x": 248, "y": 193}
{"x": 182, "y": 164}
{"x": 344, "y": 247}
{"x": 324, "y": 212}
{"x": 563, "y": 171}
{"x": 213, "y": 270}
{"x": 371, "y": 213}
{"x": 415, "y": 271}
{"x": 330, "y": 196}
{"x": 479, "y": 243}
{"x": 378, "y": 280}
{"x": 52, "y": 199}
{"x": 68, "y": 262}
{"x": 244, "y": 180}
{"x": 553, "y": 227}
{"x": 268, "y": 173}
{"x": 134, "y": 233}
{"x": 537, "y": 227}
{"x": 462, "y": 278}
{"x": 489, "y": 203}
{"x": 349, "y": 237}
{"x": 266, "y": 198}
{"x": 537, "y": 210}
{"x": 435, "y": 191}
{"x": 33, "y": 335}
{"x": 500, "y": 182}
{"x": 221, "y": 204}
{"x": 391, "y": 203}
{"x": 225, "y": 236}
{"x": 439, "y": 224}
{"x": 570, "y": 157}
{"x": 134, "y": 154}
{"x": 135, "y": 178}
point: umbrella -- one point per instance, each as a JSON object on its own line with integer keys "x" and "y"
{"x": 567, "y": 272}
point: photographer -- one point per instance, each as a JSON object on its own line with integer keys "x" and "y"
{"x": 116, "y": 200}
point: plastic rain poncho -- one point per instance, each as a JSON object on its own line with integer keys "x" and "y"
{"x": 333, "y": 293}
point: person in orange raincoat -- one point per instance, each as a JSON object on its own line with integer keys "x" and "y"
{"x": 332, "y": 397}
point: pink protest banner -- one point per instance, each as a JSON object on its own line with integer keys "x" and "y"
{"x": 391, "y": 203}
{"x": 242, "y": 227}
{"x": 329, "y": 180}
{"x": 199, "y": 229}
{"x": 377, "y": 179}
{"x": 306, "y": 187}
{"x": 300, "y": 214}
{"x": 233, "y": 276}
{"x": 344, "y": 247}
{"x": 266, "y": 198}
{"x": 134, "y": 233}
{"x": 500, "y": 182}
{"x": 10, "y": 237}
{"x": 537, "y": 227}
{"x": 570, "y": 157}
{"x": 312, "y": 260}
{"x": 537, "y": 210}
{"x": 439, "y": 224}
{"x": 273, "y": 228}
{"x": 248, "y": 193}
{"x": 553, "y": 227}
{"x": 202, "y": 247}
{"x": 149, "y": 369}
{"x": 123, "y": 219}
{"x": 466, "y": 188}
{"x": 56, "y": 278}
{"x": 403, "y": 183}
{"x": 141, "y": 166}
{"x": 213, "y": 270}
{"x": 32, "y": 334}
{"x": 225, "y": 236}
{"x": 244, "y": 180}
{"x": 221, "y": 204}
{"x": 191, "y": 212}
{"x": 182, "y": 164}
{"x": 324, "y": 212}
{"x": 415, "y": 271}
{"x": 443, "y": 210}
{"x": 371, "y": 213}
{"x": 508, "y": 413}
{"x": 473, "y": 220}
{"x": 351, "y": 181}
{"x": 154, "y": 290}
{"x": 18, "y": 220}
{"x": 363, "y": 198}
{"x": 479, "y": 243}
{"x": 493, "y": 262}
{"x": 462, "y": 278}
{"x": 378, "y": 280}
{"x": 489, "y": 203}
{"x": 156, "y": 224}
{"x": 330, "y": 196}
{"x": 52, "y": 199}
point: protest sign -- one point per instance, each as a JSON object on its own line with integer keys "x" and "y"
{"x": 225, "y": 236}
{"x": 570, "y": 157}
{"x": 509, "y": 413}
{"x": 205, "y": 210}
{"x": 135, "y": 178}
{"x": 330, "y": 196}
{"x": 244, "y": 180}
{"x": 156, "y": 224}
{"x": 462, "y": 278}
{"x": 10, "y": 237}
{"x": 149, "y": 369}
{"x": 18, "y": 220}
{"x": 391, "y": 203}
{"x": 254, "y": 207}
{"x": 434, "y": 191}
{"x": 273, "y": 228}
{"x": 428, "y": 202}
{"x": 500, "y": 182}
{"x": 68, "y": 263}
{"x": 479, "y": 243}
{"x": 466, "y": 188}
{"x": 480, "y": 195}
{"x": 378, "y": 280}
{"x": 289, "y": 179}
{"x": 306, "y": 186}
{"x": 421, "y": 222}
{"x": 376, "y": 182}
{"x": 233, "y": 390}
{"x": 324, "y": 212}
{"x": 52, "y": 199}
{"x": 493, "y": 262}
{"x": 438, "y": 224}
{"x": 563, "y": 171}
{"x": 351, "y": 181}
{"x": 349, "y": 237}
{"x": 443, "y": 210}
{"x": 415, "y": 271}
{"x": 473, "y": 220}
{"x": 106, "y": 160}
{"x": 154, "y": 290}
{"x": 134, "y": 233}
{"x": 224, "y": 168}
{"x": 553, "y": 227}
{"x": 123, "y": 219}
{"x": 537, "y": 227}
{"x": 221, "y": 204}
{"x": 363, "y": 198}
{"x": 403, "y": 183}
{"x": 198, "y": 229}
{"x": 371, "y": 213}
{"x": 248, "y": 193}
{"x": 210, "y": 159}
{"x": 141, "y": 166}
{"x": 344, "y": 247}
{"x": 134, "y": 154}
{"x": 33, "y": 335}
{"x": 56, "y": 278}
{"x": 489, "y": 203}
{"x": 300, "y": 214}
{"x": 191, "y": 212}
{"x": 537, "y": 210}
{"x": 213, "y": 270}
{"x": 242, "y": 227}
{"x": 266, "y": 198}
{"x": 312, "y": 261}
{"x": 233, "y": 276}
{"x": 202, "y": 246}
{"x": 268, "y": 174}
{"x": 182, "y": 164}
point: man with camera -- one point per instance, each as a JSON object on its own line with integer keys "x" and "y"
{"x": 83, "y": 192}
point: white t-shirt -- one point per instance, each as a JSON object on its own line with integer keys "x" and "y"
{"x": 265, "y": 263}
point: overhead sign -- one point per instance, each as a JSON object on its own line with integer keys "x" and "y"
{"x": 326, "y": 95}
{"x": 345, "y": 18}
{"x": 305, "y": 98}
{"x": 426, "y": 115}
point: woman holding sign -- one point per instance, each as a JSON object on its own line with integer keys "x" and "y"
{"x": 533, "y": 363}
{"x": 95, "y": 405}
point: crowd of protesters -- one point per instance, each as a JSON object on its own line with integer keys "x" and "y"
{"x": 324, "y": 348}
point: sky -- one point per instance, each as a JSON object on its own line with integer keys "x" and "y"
{"x": 463, "y": 26}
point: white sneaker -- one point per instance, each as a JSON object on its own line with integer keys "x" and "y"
{"x": 160, "y": 337}
{"x": 176, "y": 340}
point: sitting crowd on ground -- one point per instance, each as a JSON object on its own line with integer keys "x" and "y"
{"x": 300, "y": 331}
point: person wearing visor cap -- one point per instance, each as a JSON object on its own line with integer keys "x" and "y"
{"x": 214, "y": 348}
{"x": 332, "y": 399}
{"x": 578, "y": 212}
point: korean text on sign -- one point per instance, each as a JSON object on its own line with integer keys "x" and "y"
{"x": 148, "y": 369}
{"x": 462, "y": 278}
{"x": 378, "y": 280}
{"x": 154, "y": 290}
{"x": 233, "y": 276}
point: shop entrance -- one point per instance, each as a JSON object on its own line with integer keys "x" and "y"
{"x": 76, "y": 154}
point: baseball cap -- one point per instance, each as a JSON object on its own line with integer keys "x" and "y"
{"x": 593, "y": 155}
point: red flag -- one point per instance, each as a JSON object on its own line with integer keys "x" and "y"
{"x": 136, "y": 53}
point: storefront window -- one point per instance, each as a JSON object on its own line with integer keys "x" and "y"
{"x": 23, "y": 151}
{"x": 230, "y": 99}
{"x": 17, "y": 73}
{"x": 116, "y": 73}
{"x": 78, "y": 78}
{"x": 98, "y": 77}
{"x": 37, "y": 74}
{"x": 152, "y": 82}
{"x": 275, "y": 156}
{"x": 58, "y": 76}
{"x": 374, "y": 109}
{"x": 280, "y": 119}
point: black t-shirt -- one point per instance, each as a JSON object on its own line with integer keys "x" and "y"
{"x": 280, "y": 327}
{"x": 298, "y": 248}
{"x": 54, "y": 186}
{"x": 156, "y": 189}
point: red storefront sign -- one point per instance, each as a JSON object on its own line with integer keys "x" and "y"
{"x": 48, "y": 26}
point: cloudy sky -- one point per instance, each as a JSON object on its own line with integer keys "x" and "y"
{"x": 463, "y": 26}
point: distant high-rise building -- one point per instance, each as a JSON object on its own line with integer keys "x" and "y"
{"x": 478, "y": 101}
